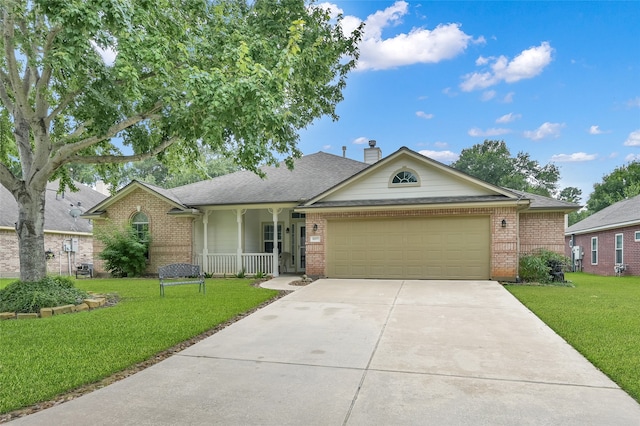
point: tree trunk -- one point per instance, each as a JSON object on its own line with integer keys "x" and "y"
{"x": 30, "y": 230}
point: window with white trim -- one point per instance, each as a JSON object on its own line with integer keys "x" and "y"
{"x": 637, "y": 236}
{"x": 268, "y": 237}
{"x": 619, "y": 248}
{"x": 140, "y": 224}
{"x": 594, "y": 250}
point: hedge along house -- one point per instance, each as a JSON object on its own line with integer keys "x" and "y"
{"x": 68, "y": 238}
{"x": 404, "y": 216}
{"x": 607, "y": 239}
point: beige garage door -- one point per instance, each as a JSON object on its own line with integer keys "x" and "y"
{"x": 415, "y": 248}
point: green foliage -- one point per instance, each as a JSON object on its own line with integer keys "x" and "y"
{"x": 241, "y": 273}
{"x": 240, "y": 78}
{"x": 536, "y": 267}
{"x": 622, "y": 183}
{"x": 49, "y": 292}
{"x": 598, "y": 317}
{"x": 260, "y": 275}
{"x": 492, "y": 162}
{"x": 51, "y": 356}
{"x": 125, "y": 253}
{"x": 570, "y": 194}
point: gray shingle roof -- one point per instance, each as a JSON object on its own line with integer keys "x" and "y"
{"x": 312, "y": 175}
{"x": 616, "y": 215}
{"x": 540, "y": 202}
{"x": 57, "y": 217}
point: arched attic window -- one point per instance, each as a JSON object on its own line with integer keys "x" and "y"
{"x": 404, "y": 177}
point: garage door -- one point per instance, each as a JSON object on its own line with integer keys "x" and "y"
{"x": 415, "y": 248}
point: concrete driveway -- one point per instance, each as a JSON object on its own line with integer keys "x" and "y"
{"x": 368, "y": 352}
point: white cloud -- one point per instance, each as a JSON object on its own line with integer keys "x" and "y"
{"x": 508, "y": 98}
{"x": 440, "y": 144}
{"x": 419, "y": 45}
{"x": 482, "y": 61}
{"x": 545, "y": 130}
{"x": 333, "y": 9}
{"x": 476, "y": 132}
{"x": 508, "y": 118}
{"x": 632, "y": 157}
{"x": 361, "y": 140}
{"x": 528, "y": 64}
{"x": 488, "y": 95}
{"x": 633, "y": 139}
{"x": 424, "y": 115}
{"x": 326, "y": 147}
{"x": 595, "y": 130}
{"x": 634, "y": 103}
{"x": 442, "y": 156}
{"x": 573, "y": 158}
{"x": 108, "y": 55}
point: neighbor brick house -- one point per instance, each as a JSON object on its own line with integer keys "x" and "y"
{"x": 68, "y": 240}
{"x": 606, "y": 239}
{"x": 403, "y": 216}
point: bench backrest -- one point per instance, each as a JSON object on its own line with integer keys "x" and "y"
{"x": 177, "y": 270}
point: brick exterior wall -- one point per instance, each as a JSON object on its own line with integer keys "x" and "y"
{"x": 542, "y": 230}
{"x": 504, "y": 248}
{"x": 171, "y": 236}
{"x": 606, "y": 251}
{"x": 10, "y": 259}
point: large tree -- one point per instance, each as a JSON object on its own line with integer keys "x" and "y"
{"x": 492, "y": 162}
{"x": 622, "y": 183}
{"x": 240, "y": 77}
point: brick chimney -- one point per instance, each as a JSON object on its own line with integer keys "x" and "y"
{"x": 372, "y": 154}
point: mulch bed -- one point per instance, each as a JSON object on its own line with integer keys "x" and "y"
{"x": 82, "y": 390}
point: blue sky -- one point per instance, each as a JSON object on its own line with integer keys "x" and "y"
{"x": 558, "y": 80}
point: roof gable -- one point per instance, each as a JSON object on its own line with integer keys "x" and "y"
{"x": 622, "y": 213}
{"x": 165, "y": 194}
{"x": 435, "y": 180}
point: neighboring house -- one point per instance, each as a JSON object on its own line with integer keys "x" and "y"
{"x": 404, "y": 216}
{"x": 67, "y": 240}
{"x": 606, "y": 239}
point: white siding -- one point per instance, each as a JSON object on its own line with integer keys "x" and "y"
{"x": 433, "y": 183}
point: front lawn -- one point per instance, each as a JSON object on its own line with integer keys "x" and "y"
{"x": 600, "y": 317}
{"x": 45, "y": 357}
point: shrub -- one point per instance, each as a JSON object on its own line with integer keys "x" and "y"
{"x": 25, "y": 297}
{"x": 125, "y": 254}
{"x": 536, "y": 267}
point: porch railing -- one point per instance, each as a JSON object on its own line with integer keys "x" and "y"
{"x": 227, "y": 264}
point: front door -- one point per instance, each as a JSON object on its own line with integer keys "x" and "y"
{"x": 298, "y": 254}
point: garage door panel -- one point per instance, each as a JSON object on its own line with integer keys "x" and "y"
{"x": 411, "y": 248}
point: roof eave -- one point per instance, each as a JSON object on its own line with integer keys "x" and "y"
{"x": 604, "y": 227}
{"x": 420, "y": 206}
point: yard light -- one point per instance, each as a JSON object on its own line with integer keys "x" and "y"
{"x": 504, "y": 223}
{"x": 315, "y": 227}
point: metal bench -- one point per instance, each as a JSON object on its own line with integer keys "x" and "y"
{"x": 181, "y": 274}
{"x": 85, "y": 269}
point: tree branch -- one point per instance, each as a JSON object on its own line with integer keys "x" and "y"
{"x": 43, "y": 81}
{"x": 8, "y": 34}
{"x": 102, "y": 159}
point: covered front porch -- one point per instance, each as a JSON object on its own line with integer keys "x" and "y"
{"x": 250, "y": 240}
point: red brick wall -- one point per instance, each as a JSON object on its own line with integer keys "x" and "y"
{"x": 606, "y": 251}
{"x": 504, "y": 257}
{"x": 542, "y": 230}
{"x": 10, "y": 260}
{"x": 171, "y": 236}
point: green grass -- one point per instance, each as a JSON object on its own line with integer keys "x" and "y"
{"x": 600, "y": 317}
{"x": 42, "y": 358}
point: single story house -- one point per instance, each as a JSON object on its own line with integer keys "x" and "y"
{"x": 68, "y": 238}
{"x": 607, "y": 239}
{"x": 405, "y": 216}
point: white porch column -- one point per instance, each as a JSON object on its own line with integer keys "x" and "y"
{"x": 205, "y": 242}
{"x": 275, "y": 212}
{"x": 239, "y": 214}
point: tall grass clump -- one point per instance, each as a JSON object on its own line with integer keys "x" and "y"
{"x": 25, "y": 297}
